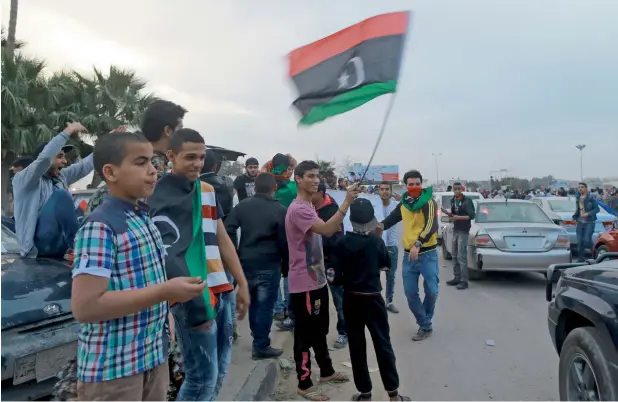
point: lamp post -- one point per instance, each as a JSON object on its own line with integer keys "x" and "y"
{"x": 437, "y": 173}
{"x": 581, "y": 159}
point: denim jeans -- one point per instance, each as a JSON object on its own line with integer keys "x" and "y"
{"x": 283, "y": 302}
{"x": 56, "y": 226}
{"x": 206, "y": 353}
{"x": 460, "y": 255}
{"x": 426, "y": 265}
{"x": 230, "y": 278}
{"x": 263, "y": 287}
{"x": 393, "y": 253}
{"x": 337, "y": 292}
{"x": 584, "y": 231}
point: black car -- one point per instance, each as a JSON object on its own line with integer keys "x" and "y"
{"x": 39, "y": 333}
{"x": 583, "y": 325}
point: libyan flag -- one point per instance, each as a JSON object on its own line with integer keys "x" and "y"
{"x": 349, "y": 68}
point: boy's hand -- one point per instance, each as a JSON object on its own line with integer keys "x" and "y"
{"x": 379, "y": 229}
{"x": 352, "y": 193}
{"x": 184, "y": 288}
{"x": 242, "y": 301}
{"x": 74, "y": 128}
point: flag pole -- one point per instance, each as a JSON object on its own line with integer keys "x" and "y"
{"x": 382, "y": 129}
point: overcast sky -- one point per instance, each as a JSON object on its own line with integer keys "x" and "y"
{"x": 489, "y": 84}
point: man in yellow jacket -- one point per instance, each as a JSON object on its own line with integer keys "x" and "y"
{"x": 417, "y": 210}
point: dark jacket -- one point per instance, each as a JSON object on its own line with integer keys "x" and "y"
{"x": 590, "y": 207}
{"x": 261, "y": 220}
{"x": 361, "y": 258}
{"x": 464, "y": 208}
{"x": 224, "y": 194}
{"x": 329, "y": 244}
{"x": 241, "y": 184}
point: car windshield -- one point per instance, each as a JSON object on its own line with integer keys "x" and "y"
{"x": 510, "y": 212}
{"x": 564, "y": 205}
{"x": 10, "y": 245}
{"x": 446, "y": 199}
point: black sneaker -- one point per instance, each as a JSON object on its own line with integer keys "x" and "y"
{"x": 422, "y": 334}
{"x": 462, "y": 285}
{"x": 268, "y": 353}
{"x": 453, "y": 282}
{"x": 392, "y": 308}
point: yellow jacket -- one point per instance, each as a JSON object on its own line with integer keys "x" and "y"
{"x": 420, "y": 223}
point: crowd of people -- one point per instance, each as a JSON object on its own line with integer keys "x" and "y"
{"x": 164, "y": 263}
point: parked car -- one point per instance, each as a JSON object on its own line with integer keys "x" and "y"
{"x": 606, "y": 242}
{"x": 511, "y": 235}
{"x": 443, "y": 200}
{"x": 583, "y": 325}
{"x": 39, "y": 333}
{"x": 561, "y": 210}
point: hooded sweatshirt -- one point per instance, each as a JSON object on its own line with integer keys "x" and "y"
{"x": 361, "y": 257}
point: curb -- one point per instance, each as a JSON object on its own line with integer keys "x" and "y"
{"x": 262, "y": 380}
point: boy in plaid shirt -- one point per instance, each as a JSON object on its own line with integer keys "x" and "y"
{"x": 120, "y": 293}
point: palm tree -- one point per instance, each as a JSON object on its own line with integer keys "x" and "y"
{"x": 10, "y": 42}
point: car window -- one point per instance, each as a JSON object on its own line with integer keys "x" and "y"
{"x": 10, "y": 244}
{"x": 510, "y": 212}
{"x": 446, "y": 199}
{"x": 564, "y": 205}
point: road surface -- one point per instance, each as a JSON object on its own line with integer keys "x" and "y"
{"x": 455, "y": 363}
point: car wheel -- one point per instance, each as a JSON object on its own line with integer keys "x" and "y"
{"x": 474, "y": 274}
{"x": 445, "y": 254}
{"x": 584, "y": 372}
{"x": 600, "y": 250}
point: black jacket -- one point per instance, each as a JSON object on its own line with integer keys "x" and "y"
{"x": 361, "y": 258}
{"x": 464, "y": 208}
{"x": 223, "y": 193}
{"x": 261, "y": 220}
{"x": 329, "y": 244}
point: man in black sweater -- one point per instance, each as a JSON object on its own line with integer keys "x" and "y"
{"x": 362, "y": 255}
{"x": 263, "y": 253}
{"x": 326, "y": 207}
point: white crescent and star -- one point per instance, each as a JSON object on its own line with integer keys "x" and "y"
{"x": 163, "y": 218}
{"x": 359, "y": 67}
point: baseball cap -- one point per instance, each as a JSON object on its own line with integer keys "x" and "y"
{"x": 39, "y": 149}
{"x": 252, "y": 162}
{"x": 22, "y": 162}
{"x": 362, "y": 216}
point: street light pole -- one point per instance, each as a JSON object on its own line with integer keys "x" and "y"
{"x": 581, "y": 159}
{"x": 437, "y": 175}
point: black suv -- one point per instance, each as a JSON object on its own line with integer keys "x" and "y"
{"x": 583, "y": 325}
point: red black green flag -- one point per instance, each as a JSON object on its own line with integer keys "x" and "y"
{"x": 349, "y": 68}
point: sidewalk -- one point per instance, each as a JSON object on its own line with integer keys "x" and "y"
{"x": 248, "y": 379}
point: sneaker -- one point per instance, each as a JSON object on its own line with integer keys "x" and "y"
{"x": 268, "y": 353}
{"x": 285, "y": 325}
{"x": 279, "y": 316}
{"x": 453, "y": 282}
{"x": 462, "y": 285}
{"x": 392, "y": 308}
{"x": 342, "y": 341}
{"x": 422, "y": 334}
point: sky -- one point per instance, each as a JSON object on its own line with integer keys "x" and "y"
{"x": 487, "y": 84}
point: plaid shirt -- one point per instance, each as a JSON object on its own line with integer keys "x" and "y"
{"x": 159, "y": 161}
{"x": 119, "y": 241}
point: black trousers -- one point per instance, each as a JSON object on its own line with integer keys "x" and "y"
{"x": 369, "y": 311}
{"x": 310, "y": 330}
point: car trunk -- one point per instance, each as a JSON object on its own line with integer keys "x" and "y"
{"x": 34, "y": 291}
{"x": 522, "y": 237}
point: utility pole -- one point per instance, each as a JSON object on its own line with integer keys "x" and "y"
{"x": 581, "y": 159}
{"x": 437, "y": 172}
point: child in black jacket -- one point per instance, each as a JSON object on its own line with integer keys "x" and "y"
{"x": 362, "y": 255}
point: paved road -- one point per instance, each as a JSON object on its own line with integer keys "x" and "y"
{"x": 455, "y": 363}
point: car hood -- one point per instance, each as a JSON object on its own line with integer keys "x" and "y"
{"x": 605, "y": 272}
{"x": 34, "y": 290}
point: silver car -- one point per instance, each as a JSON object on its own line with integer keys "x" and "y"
{"x": 561, "y": 210}
{"x": 511, "y": 235}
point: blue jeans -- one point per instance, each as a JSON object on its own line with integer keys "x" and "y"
{"x": 230, "y": 278}
{"x": 283, "y": 302}
{"x": 584, "y": 231}
{"x": 426, "y": 265}
{"x": 263, "y": 288}
{"x": 393, "y": 252}
{"x": 206, "y": 353}
{"x": 56, "y": 226}
{"x": 337, "y": 292}
{"x": 460, "y": 255}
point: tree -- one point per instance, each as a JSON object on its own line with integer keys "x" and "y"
{"x": 325, "y": 167}
{"x": 10, "y": 41}
{"x": 232, "y": 168}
